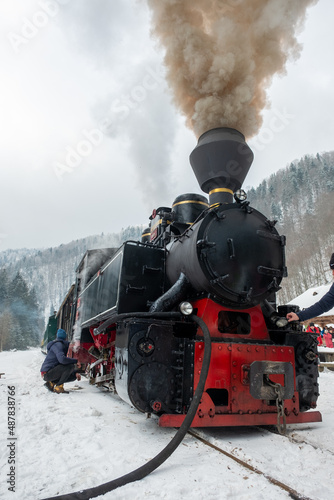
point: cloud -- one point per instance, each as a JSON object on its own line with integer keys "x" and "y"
{"x": 95, "y": 63}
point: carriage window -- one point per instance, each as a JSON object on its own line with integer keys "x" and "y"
{"x": 234, "y": 322}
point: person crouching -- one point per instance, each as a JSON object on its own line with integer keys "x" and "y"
{"x": 57, "y": 367}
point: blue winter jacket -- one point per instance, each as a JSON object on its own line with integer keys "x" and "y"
{"x": 323, "y": 305}
{"x": 57, "y": 350}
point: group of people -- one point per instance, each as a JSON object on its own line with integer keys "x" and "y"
{"x": 324, "y": 336}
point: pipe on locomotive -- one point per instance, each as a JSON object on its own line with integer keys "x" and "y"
{"x": 173, "y": 296}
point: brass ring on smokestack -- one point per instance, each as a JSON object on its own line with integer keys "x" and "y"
{"x": 216, "y": 197}
{"x": 221, "y": 160}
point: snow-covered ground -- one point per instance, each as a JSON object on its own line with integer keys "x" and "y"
{"x": 69, "y": 442}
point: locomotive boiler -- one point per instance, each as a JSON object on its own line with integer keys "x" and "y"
{"x": 134, "y": 310}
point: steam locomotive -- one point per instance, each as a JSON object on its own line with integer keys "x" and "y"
{"x": 130, "y": 313}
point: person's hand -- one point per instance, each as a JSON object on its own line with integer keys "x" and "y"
{"x": 292, "y": 317}
{"x": 78, "y": 376}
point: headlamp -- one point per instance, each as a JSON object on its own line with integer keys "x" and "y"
{"x": 240, "y": 196}
{"x": 186, "y": 308}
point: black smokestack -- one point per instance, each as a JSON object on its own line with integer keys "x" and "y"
{"x": 221, "y": 161}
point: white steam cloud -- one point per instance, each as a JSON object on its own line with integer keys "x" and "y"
{"x": 221, "y": 56}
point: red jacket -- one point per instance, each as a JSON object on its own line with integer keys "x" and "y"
{"x": 328, "y": 339}
{"x": 319, "y": 339}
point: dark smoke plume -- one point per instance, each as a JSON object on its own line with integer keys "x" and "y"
{"x": 221, "y": 56}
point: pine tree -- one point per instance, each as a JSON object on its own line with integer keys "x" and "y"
{"x": 5, "y": 317}
{"x": 4, "y": 285}
{"x": 20, "y": 324}
{"x": 5, "y": 330}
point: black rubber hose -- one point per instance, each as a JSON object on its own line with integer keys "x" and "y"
{"x": 159, "y": 459}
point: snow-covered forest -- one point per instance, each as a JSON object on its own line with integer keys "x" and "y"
{"x": 299, "y": 197}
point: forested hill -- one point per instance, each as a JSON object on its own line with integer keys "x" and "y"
{"x": 300, "y": 198}
{"x": 51, "y": 272}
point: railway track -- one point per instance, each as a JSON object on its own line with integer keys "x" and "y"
{"x": 245, "y": 459}
{"x": 296, "y": 439}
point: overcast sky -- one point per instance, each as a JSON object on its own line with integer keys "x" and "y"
{"x": 90, "y": 141}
